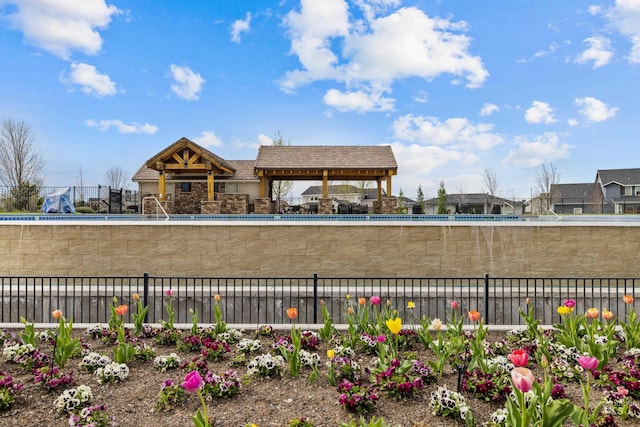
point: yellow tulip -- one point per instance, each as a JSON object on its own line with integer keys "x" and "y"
{"x": 394, "y": 325}
{"x": 331, "y": 353}
{"x": 564, "y": 310}
{"x": 411, "y": 305}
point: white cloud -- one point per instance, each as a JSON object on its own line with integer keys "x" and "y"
{"x": 488, "y": 109}
{"x": 105, "y": 125}
{"x": 62, "y": 27}
{"x": 264, "y": 139}
{"x": 208, "y": 138}
{"x": 539, "y": 112}
{"x": 573, "y": 122}
{"x": 186, "y": 84}
{"x": 599, "y": 51}
{"x": 359, "y": 101}
{"x": 92, "y": 82}
{"x": 533, "y": 152}
{"x": 239, "y": 27}
{"x": 455, "y": 132}
{"x": 364, "y": 55}
{"x": 594, "y": 110}
{"x": 421, "y": 97}
{"x": 418, "y": 160}
{"x": 625, "y": 17}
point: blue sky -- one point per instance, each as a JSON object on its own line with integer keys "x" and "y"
{"x": 455, "y": 87}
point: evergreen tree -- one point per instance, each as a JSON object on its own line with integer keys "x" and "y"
{"x": 442, "y": 199}
{"x": 420, "y": 199}
{"x": 401, "y": 202}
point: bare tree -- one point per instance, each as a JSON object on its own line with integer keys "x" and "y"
{"x": 597, "y": 201}
{"x": 280, "y": 188}
{"x": 20, "y": 164}
{"x": 490, "y": 184}
{"x": 117, "y": 177}
{"x": 547, "y": 176}
{"x": 80, "y": 185}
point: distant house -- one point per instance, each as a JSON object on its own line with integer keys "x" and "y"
{"x": 341, "y": 194}
{"x": 620, "y": 189}
{"x": 583, "y": 198}
{"x": 476, "y": 203}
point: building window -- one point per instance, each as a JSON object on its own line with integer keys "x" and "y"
{"x": 185, "y": 187}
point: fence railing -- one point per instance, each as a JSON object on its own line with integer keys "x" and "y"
{"x": 259, "y": 301}
{"x": 29, "y": 198}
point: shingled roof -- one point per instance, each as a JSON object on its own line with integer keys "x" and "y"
{"x": 619, "y": 176}
{"x": 325, "y": 157}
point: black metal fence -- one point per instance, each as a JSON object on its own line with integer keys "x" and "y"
{"x": 29, "y": 198}
{"x": 258, "y": 301}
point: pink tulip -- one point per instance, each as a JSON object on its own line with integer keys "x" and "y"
{"x": 519, "y": 358}
{"x": 569, "y": 303}
{"x": 622, "y": 391}
{"x": 454, "y": 305}
{"x": 588, "y": 363}
{"x": 192, "y": 382}
{"x": 169, "y": 292}
{"x": 522, "y": 379}
{"x": 375, "y": 300}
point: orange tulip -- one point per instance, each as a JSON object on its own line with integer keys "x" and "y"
{"x": 56, "y": 314}
{"x": 121, "y": 310}
{"x": 216, "y": 297}
{"x": 628, "y": 299}
{"x": 135, "y": 297}
{"x": 474, "y": 315}
{"x": 606, "y": 314}
{"x": 362, "y": 301}
{"x": 349, "y": 310}
{"x": 592, "y": 313}
{"x": 292, "y": 313}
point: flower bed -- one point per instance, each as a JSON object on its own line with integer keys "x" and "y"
{"x": 381, "y": 371}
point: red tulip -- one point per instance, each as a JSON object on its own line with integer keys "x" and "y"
{"x": 121, "y": 310}
{"x": 474, "y": 315}
{"x": 519, "y": 358}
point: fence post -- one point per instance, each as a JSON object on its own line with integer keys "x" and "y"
{"x": 315, "y": 298}
{"x": 145, "y": 298}
{"x": 486, "y": 298}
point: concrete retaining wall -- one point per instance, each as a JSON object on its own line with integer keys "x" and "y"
{"x": 339, "y": 249}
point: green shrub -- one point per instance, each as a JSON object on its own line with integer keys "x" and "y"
{"x": 84, "y": 210}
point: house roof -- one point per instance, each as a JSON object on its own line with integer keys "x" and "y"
{"x": 325, "y": 157}
{"x": 367, "y": 193}
{"x": 566, "y": 193}
{"x": 619, "y": 176}
{"x": 471, "y": 199}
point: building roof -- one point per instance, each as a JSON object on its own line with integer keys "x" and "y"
{"x": 325, "y": 157}
{"x": 566, "y": 193}
{"x": 619, "y": 176}
{"x": 367, "y": 193}
{"x": 471, "y": 199}
{"x": 185, "y": 156}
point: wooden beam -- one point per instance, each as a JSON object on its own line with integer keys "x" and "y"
{"x": 379, "y": 182}
{"x": 161, "y": 186}
{"x": 210, "y": 186}
{"x": 389, "y": 186}
{"x": 325, "y": 184}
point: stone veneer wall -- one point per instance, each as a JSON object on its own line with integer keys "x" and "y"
{"x": 385, "y": 206}
{"x": 189, "y": 203}
{"x": 234, "y": 203}
{"x": 325, "y": 206}
{"x": 262, "y": 249}
{"x": 263, "y": 206}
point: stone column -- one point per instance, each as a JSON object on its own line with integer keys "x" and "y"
{"x": 325, "y": 206}
{"x": 263, "y": 205}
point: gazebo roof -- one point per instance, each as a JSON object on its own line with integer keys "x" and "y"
{"x": 185, "y": 156}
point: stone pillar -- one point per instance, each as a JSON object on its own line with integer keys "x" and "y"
{"x": 325, "y": 206}
{"x": 210, "y": 207}
{"x": 263, "y": 206}
{"x": 389, "y": 206}
{"x": 169, "y": 206}
{"x": 385, "y": 206}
